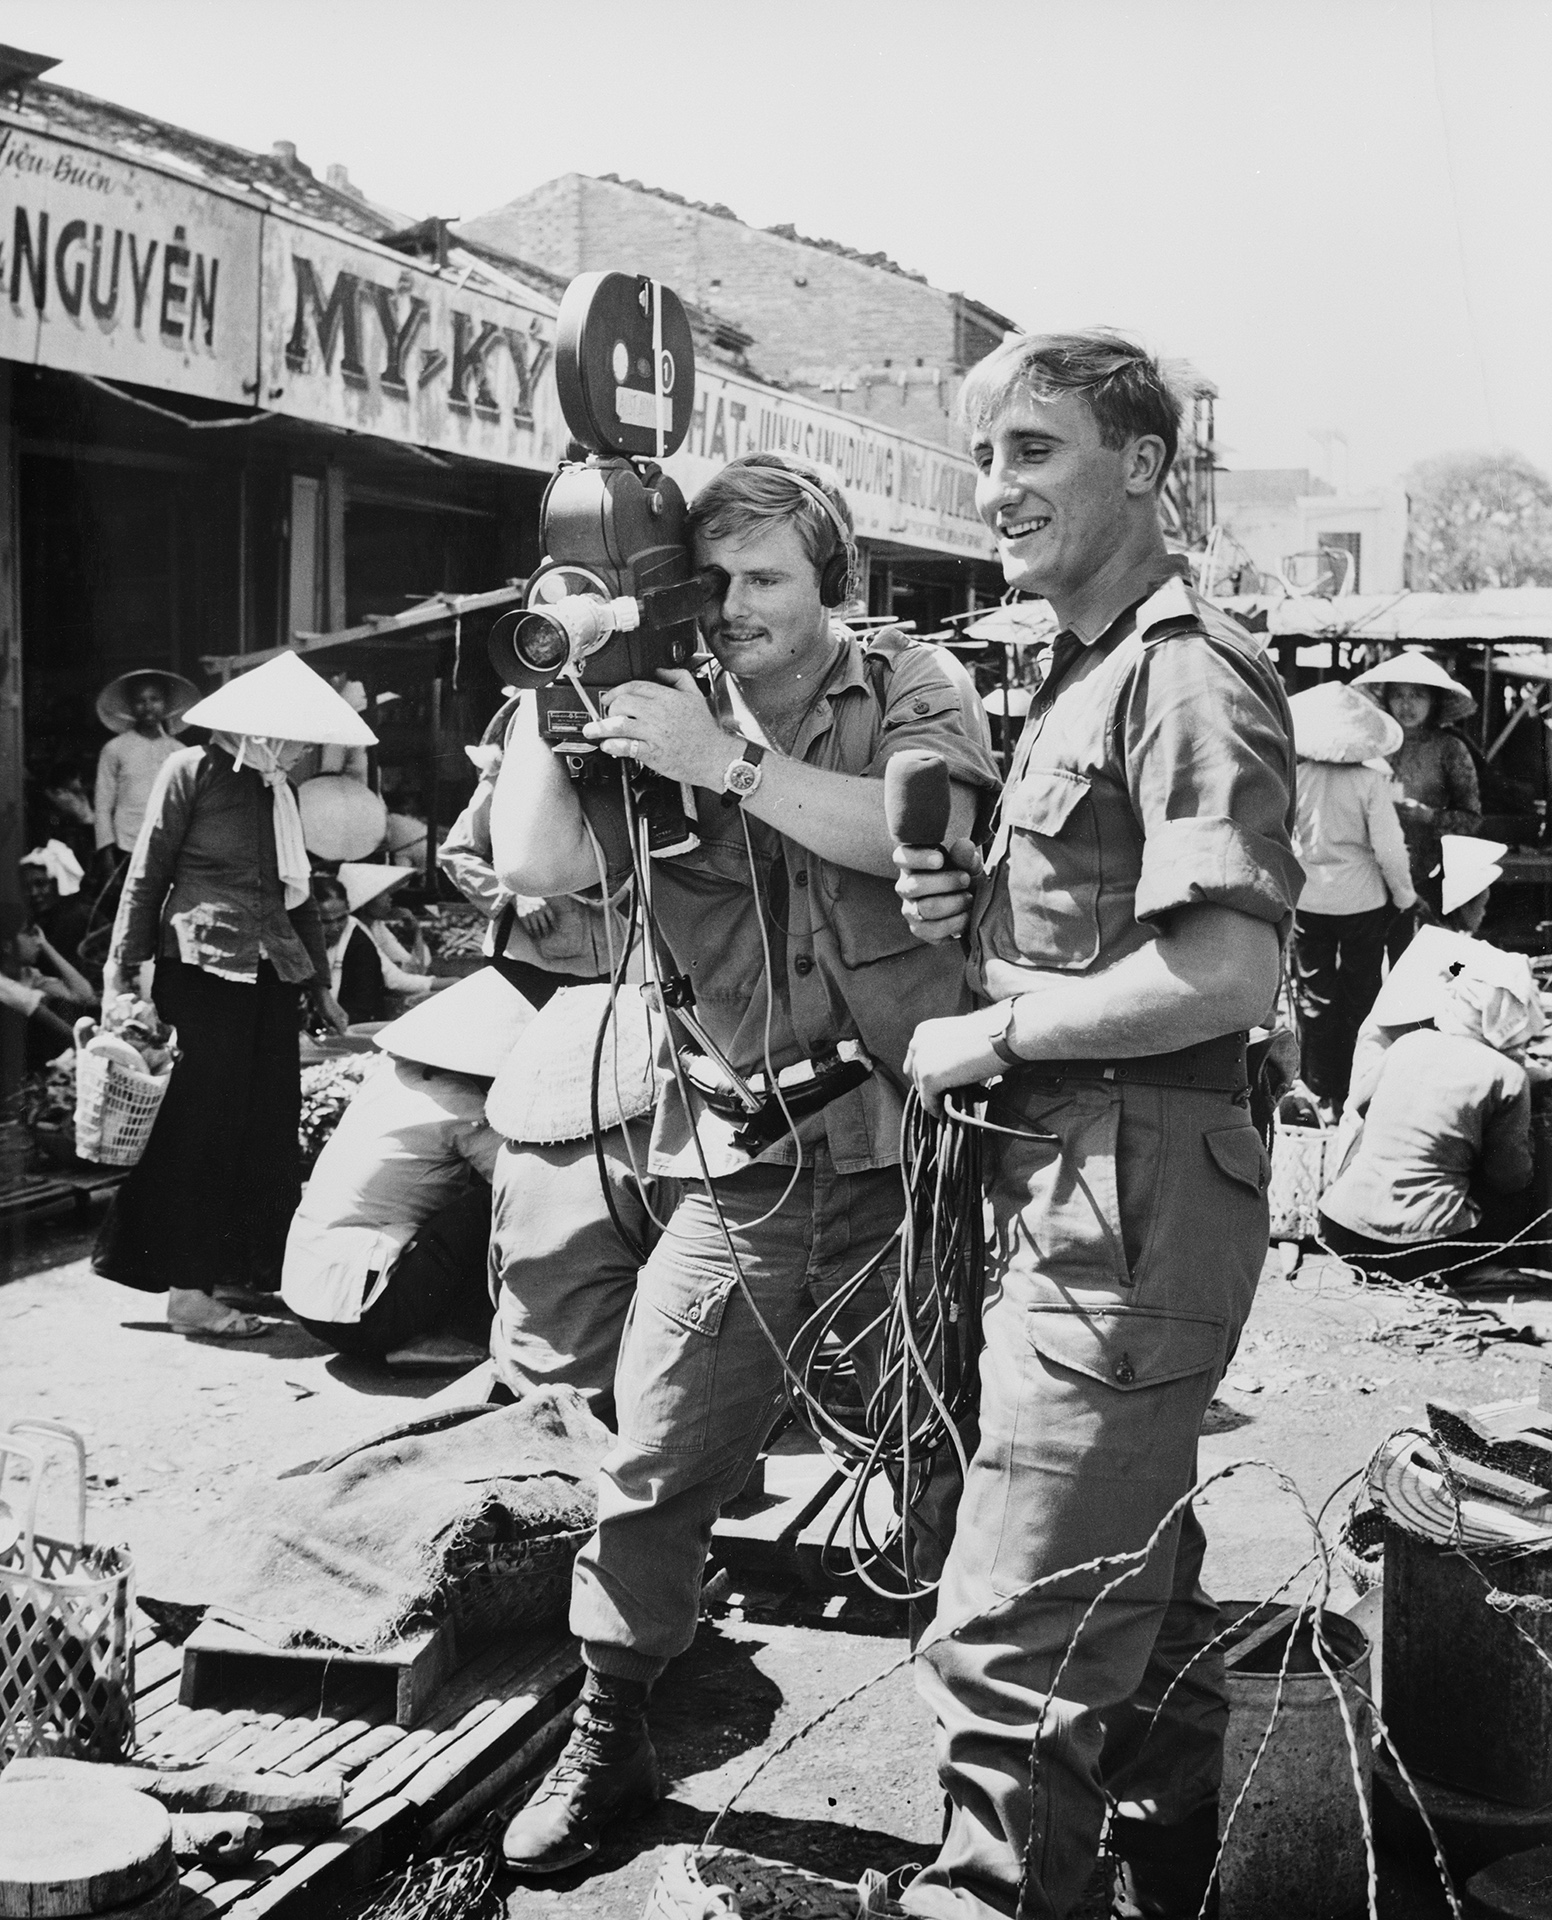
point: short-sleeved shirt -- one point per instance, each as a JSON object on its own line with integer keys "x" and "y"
{"x": 126, "y": 772}
{"x": 1155, "y": 771}
{"x": 843, "y": 964}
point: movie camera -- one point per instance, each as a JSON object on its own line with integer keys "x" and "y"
{"x": 617, "y": 595}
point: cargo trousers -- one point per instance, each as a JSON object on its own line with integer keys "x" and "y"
{"x": 699, "y": 1385}
{"x": 1125, "y": 1254}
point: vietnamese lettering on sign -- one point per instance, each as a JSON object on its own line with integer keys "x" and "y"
{"x": 74, "y": 271}
{"x": 324, "y": 323}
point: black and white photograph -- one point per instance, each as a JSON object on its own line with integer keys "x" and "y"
{"x": 775, "y": 960}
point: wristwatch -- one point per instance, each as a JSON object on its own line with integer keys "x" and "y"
{"x": 1001, "y": 1039}
{"x": 743, "y": 775}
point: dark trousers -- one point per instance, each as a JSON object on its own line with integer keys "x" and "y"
{"x": 211, "y": 1200}
{"x": 1336, "y": 976}
{"x": 438, "y": 1285}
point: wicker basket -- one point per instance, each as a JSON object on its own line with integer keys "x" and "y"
{"x": 67, "y": 1658}
{"x": 1303, "y": 1166}
{"x": 115, "y": 1109}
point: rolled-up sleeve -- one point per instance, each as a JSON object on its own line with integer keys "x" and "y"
{"x": 926, "y": 711}
{"x": 1208, "y": 753}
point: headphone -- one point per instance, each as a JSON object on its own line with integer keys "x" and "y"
{"x": 840, "y": 575}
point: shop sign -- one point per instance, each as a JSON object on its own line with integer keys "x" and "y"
{"x": 360, "y": 337}
{"x": 898, "y": 488}
{"x": 111, "y": 269}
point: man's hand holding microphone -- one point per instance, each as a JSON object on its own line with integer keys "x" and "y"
{"x": 937, "y": 890}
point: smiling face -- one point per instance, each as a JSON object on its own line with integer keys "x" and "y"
{"x": 771, "y": 623}
{"x": 1061, "y": 503}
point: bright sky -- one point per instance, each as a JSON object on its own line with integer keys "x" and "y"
{"x": 1336, "y": 208}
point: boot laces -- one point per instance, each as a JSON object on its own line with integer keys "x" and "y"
{"x": 596, "y": 1744}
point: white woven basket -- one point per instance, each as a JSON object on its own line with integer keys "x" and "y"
{"x": 115, "y": 1109}
{"x": 67, "y": 1644}
{"x": 1303, "y": 1166}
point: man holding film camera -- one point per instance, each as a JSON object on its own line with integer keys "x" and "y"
{"x": 1124, "y": 936}
{"x": 784, "y": 923}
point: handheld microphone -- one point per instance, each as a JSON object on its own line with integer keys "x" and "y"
{"x": 917, "y": 800}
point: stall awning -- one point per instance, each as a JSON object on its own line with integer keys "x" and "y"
{"x": 422, "y": 622}
{"x": 1440, "y": 619}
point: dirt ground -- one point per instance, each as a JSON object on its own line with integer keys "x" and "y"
{"x": 1327, "y": 1369}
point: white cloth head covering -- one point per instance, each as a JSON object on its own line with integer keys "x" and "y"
{"x": 469, "y": 1028}
{"x": 1470, "y": 867}
{"x": 1416, "y": 669}
{"x": 365, "y": 880}
{"x": 544, "y": 1093}
{"x": 1501, "y": 1016}
{"x": 282, "y": 700}
{"x": 253, "y": 750}
{"x": 1334, "y": 724}
{"x": 61, "y": 863}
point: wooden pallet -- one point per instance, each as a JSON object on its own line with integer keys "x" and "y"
{"x": 492, "y": 1725}
{"x": 776, "y": 1533}
{"x": 33, "y": 1192}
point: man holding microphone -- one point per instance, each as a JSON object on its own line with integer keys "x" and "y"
{"x": 1123, "y": 936}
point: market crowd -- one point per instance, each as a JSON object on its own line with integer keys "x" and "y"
{"x": 1096, "y": 948}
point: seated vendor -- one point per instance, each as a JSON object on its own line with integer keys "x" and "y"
{"x": 389, "y": 1243}
{"x": 51, "y": 882}
{"x": 355, "y": 970}
{"x": 368, "y": 885}
{"x": 1446, "y": 1121}
{"x": 563, "y": 1253}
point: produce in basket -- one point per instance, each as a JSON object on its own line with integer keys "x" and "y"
{"x": 327, "y": 1089}
{"x": 122, "y": 1071}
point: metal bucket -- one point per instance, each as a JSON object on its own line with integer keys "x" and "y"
{"x": 1295, "y": 1851}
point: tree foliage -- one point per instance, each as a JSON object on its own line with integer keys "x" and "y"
{"x": 1481, "y": 520}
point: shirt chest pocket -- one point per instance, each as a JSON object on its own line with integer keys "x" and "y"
{"x": 1053, "y": 867}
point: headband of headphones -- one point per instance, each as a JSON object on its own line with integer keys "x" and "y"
{"x": 840, "y": 577}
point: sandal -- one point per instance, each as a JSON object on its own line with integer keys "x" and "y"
{"x": 197, "y": 1316}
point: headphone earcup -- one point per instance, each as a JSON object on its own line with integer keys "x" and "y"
{"x": 832, "y": 579}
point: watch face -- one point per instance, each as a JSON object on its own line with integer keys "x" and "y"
{"x": 741, "y": 777}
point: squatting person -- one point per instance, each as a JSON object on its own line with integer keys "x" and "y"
{"x": 1124, "y": 936}
{"x": 785, "y": 920}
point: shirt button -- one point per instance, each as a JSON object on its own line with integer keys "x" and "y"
{"x": 1125, "y": 1372}
{"x": 803, "y": 964}
{"x": 800, "y": 879}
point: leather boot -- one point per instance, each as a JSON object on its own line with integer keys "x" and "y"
{"x": 607, "y": 1771}
{"x": 1162, "y": 1872}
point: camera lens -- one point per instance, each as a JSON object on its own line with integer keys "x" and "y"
{"x": 541, "y": 643}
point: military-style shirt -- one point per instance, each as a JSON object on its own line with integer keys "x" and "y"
{"x": 843, "y": 963}
{"x": 1155, "y": 771}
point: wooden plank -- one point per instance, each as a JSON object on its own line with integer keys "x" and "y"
{"x": 530, "y": 1759}
{"x": 350, "y": 1760}
{"x": 154, "y": 1663}
{"x": 388, "y": 1773}
{"x": 225, "y": 1894}
{"x": 324, "y": 1747}
{"x": 454, "y": 1772}
{"x": 358, "y": 1853}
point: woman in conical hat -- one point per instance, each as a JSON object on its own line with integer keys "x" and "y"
{"x": 217, "y": 897}
{"x": 1356, "y": 876}
{"x": 1433, "y": 769}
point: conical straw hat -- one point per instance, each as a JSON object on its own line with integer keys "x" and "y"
{"x": 1414, "y": 669}
{"x": 364, "y": 881}
{"x": 342, "y": 819}
{"x": 113, "y": 703}
{"x": 282, "y": 700}
{"x": 470, "y": 1028}
{"x": 1470, "y": 867}
{"x": 544, "y": 1092}
{"x": 1334, "y": 724}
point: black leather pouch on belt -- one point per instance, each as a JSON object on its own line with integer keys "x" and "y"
{"x": 1213, "y": 1066}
